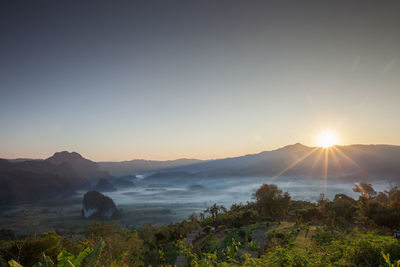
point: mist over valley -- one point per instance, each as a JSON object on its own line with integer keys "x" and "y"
{"x": 153, "y": 192}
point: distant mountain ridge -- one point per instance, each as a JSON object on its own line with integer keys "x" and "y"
{"x": 365, "y": 162}
{"x": 140, "y": 165}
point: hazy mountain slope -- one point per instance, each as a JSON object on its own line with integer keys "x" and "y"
{"x": 36, "y": 180}
{"x": 22, "y": 159}
{"x": 84, "y": 167}
{"x": 57, "y": 176}
{"x": 139, "y": 165}
{"x": 354, "y": 161}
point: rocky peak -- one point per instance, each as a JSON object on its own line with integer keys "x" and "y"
{"x": 65, "y": 156}
{"x": 84, "y": 167}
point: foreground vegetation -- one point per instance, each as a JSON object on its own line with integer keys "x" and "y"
{"x": 271, "y": 231}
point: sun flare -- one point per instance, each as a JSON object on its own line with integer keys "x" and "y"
{"x": 327, "y": 139}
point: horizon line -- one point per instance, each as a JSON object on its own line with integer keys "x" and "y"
{"x": 193, "y": 158}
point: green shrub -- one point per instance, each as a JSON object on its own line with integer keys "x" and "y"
{"x": 366, "y": 250}
{"x": 292, "y": 257}
{"x": 323, "y": 236}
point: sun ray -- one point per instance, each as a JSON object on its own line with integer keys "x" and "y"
{"x": 361, "y": 187}
{"x": 351, "y": 161}
{"x": 326, "y": 169}
{"x": 316, "y": 161}
{"x": 294, "y": 164}
{"x": 336, "y": 160}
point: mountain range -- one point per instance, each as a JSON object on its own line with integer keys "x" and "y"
{"x": 140, "y": 165}
{"x": 355, "y": 162}
{"x": 65, "y": 172}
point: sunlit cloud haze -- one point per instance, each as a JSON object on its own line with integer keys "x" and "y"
{"x": 162, "y": 80}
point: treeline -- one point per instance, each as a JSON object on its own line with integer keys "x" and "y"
{"x": 342, "y": 232}
{"x": 371, "y": 209}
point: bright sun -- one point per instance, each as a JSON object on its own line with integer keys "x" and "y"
{"x": 327, "y": 139}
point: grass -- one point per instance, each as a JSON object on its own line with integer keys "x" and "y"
{"x": 304, "y": 238}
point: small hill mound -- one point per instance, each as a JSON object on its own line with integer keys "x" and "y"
{"x": 98, "y": 206}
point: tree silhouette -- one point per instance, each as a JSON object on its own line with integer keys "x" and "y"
{"x": 365, "y": 189}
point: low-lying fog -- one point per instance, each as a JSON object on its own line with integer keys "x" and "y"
{"x": 199, "y": 193}
{"x": 162, "y": 200}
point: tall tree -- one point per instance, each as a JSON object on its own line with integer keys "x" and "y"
{"x": 271, "y": 200}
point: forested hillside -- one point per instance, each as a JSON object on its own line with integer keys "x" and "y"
{"x": 56, "y": 177}
{"x": 273, "y": 230}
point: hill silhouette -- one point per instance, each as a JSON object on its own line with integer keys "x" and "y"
{"x": 36, "y": 180}
{"x": 55, "y": 177}
{"x": 84, "y": 167}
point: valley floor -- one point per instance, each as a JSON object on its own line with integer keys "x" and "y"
{"x": 64, "y": 216}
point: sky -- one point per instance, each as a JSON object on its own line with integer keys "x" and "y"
{"x": 120, "y": 80}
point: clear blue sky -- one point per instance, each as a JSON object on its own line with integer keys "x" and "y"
{"x": 118, "y": 80}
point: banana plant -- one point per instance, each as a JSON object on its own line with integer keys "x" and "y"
{"x": 45, "y": 262}
{"x": 66, "y": 259}
{"x": 388, "y": 262}
{"x": 13, "y": 263}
